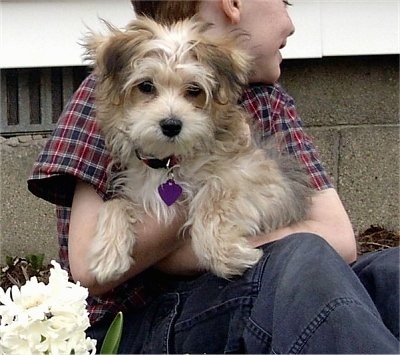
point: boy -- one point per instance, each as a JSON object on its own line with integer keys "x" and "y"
{"x": 284, "y": 302}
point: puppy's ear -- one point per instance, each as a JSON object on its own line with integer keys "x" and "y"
{"x": 230, "y": 65}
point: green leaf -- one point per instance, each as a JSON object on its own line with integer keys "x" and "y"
{"x": 9, "y": 261}
{"x": 113, "y": 336}
{"x": 36, "y": 260}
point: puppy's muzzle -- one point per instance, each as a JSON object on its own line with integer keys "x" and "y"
{"x": 171, "y": 127}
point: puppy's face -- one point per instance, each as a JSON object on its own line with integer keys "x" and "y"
{"x": 164, "y": 89}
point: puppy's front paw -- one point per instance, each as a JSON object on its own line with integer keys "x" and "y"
{"x": 235, "y": 261}
{"x": 107, "y": 262}
{"x": 110, "y": 255}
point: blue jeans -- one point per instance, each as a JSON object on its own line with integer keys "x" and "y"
{"x": 300, "y": 298}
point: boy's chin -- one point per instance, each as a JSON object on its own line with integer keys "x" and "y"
{"x": 268, "y": 77}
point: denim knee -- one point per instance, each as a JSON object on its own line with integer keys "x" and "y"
{"x": 379, "y": 273}
{"x": 305, "y": 285}
{"x": 302, "y": 244}
{"x": 302, "y": 239}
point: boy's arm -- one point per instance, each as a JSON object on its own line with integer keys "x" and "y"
{"x": 158, "y": 244}
{"x": 327, "y": 219}
{"x": 154, "y": 241}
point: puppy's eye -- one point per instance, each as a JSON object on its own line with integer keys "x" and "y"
{"x": 147, "y": 87}
{"x": 194, "y": 90}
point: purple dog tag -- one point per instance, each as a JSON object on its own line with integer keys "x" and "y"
{"x": 169, "y": 192}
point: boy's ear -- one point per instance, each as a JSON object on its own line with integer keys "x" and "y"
{"x": 232, "y": 10}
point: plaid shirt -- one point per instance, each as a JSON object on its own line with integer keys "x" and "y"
{"x": 76, "y": 151}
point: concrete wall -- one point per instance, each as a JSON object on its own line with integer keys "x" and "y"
{"x": 350, "y": 107}
{"x": 27, "y": 224}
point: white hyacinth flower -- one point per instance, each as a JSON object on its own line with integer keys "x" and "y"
{"x": 45, "y": 319}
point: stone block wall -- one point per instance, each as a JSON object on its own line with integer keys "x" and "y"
{"x": 350, "y": 107}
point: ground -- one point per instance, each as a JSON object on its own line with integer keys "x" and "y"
{"x": 377, "y": 238}
{"x": 19, "y": 269}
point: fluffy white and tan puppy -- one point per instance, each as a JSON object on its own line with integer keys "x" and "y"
{"x": 166, "y": 100}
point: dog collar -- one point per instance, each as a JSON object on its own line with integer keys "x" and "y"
{"x": 155, "y": 163}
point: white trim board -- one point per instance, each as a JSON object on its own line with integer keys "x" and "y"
{"x": 46, "y": 32}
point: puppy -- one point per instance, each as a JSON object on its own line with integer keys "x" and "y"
{"x": 166, "y": 100}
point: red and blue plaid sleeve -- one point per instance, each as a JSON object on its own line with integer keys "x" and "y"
{"x": 75, "y": 150}
{"x": 275, "y": 112}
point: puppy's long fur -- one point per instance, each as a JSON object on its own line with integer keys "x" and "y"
{"x": 170, "y": 92}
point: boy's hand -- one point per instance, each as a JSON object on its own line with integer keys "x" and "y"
{"x": 182, "y": 261}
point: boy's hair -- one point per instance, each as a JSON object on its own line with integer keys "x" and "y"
{"x": 166, "y": 11}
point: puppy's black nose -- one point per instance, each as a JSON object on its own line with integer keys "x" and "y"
{"x": 171, "y": 127}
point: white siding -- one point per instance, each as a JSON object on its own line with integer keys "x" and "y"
{"x": 360, "y": 27}
{"x": 344, "y": 27}
{"x": 37, "y": 33}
